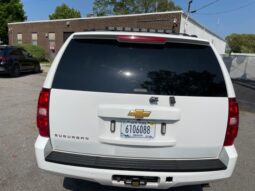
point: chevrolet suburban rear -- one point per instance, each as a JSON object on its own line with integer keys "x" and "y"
{"x": 143, "y": 110}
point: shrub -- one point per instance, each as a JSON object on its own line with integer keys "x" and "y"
{"x": 36, "y": 51}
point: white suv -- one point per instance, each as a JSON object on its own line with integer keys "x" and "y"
{"x": 136, "y": 109}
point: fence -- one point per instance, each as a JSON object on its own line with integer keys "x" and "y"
{"x": 240, "y": 66}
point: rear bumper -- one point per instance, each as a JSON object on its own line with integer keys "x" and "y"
{"x": 135, "y": 164}
{"x": 74, "y": 166}
{"x": 3, "y": 69}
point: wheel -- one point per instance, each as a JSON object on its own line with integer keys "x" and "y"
{"x": 37, "y": 68}
{"x": 15, "y": 72}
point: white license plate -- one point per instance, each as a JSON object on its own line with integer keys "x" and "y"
{"x": 137, "y": 129}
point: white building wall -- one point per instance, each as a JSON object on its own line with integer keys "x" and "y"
{"x": 193, "y": 27}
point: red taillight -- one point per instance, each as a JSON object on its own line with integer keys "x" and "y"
{"x": 2, "y": 58}
{"x": 43, "y": 113}
{"x": 141, "y": 39}
{"x": 233, "y": 121}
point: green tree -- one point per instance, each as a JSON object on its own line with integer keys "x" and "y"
{"x": 241, "y": 43}
{"x": 102, "y": 7}
{"x": 122, "y": 7}
{"x": 10, "y": 11}
{"x": 64, "y": 12}
{"x": 36, "y": 51}
{"x": 166, "y": 5}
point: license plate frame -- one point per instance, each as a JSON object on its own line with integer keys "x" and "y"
{"x": 138, "y": 129}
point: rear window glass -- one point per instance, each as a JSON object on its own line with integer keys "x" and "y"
{"x": 110, "y": 66}
{"x": 1, "y": 51}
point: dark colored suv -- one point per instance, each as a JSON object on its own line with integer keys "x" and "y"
{"x": 14, "y": 60}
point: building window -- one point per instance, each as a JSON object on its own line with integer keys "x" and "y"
{"x": 34, "y": 38}
{"x": 52, "y": 37}
{"x": 19, "y": 38}
{"x": 52, "y": 41}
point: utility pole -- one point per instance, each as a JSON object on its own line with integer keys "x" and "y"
{"x": 189, "y": 6}
{"x": 188, "y": 13}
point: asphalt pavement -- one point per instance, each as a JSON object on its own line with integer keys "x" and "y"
{"x": 18, "y": 169}
{"x": 245, "y": 93}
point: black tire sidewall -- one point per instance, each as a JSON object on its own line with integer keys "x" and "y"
{"x": 15, "y": 71}
{"x": 37, "y": 68}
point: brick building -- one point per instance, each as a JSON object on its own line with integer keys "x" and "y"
{"x": 51, "y": 34}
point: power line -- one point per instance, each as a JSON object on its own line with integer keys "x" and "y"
{"x": 229, "y": 10}
{"x": 205, "y": 6}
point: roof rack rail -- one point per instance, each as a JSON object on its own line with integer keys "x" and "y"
{"x": 130, "y": 29}
{"x": 87, "y": 30}
{"x": 193, "y": 35}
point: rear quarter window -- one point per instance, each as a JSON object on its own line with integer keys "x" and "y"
{"x": 169, "y": 69}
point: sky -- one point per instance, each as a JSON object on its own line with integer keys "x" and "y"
{"x": 222, "y": 17}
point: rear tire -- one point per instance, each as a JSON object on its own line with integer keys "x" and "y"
{"x": 37, "y": 68}
{"x": 15, "y": 72}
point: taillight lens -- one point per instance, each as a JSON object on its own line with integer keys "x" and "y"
{"x": 141, "y": 39}
{"x": 233, "y": 121}
{"x": 2, "y": 58}
{"x": 43, "y": 113}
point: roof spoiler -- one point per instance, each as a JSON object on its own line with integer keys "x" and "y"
{"x": 130, "y": 29}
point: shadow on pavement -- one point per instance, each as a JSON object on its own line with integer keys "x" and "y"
{"x": 21, "y": 75}
{"x": 82, "y": 185}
